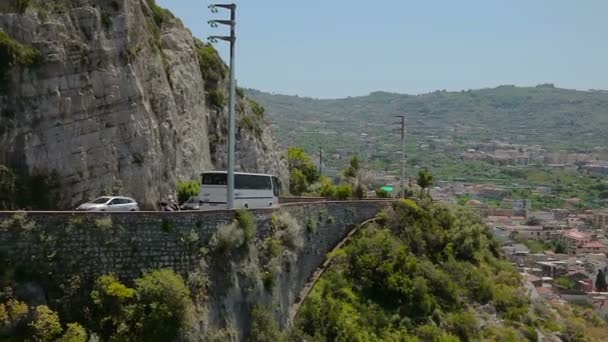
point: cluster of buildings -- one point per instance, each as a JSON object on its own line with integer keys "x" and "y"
{"x": 500, "y": 153}
{"x": 573, "y": 253}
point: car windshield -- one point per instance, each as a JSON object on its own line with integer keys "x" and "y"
{"x": 192, "y": 200}
{"x": 100, "y": 200}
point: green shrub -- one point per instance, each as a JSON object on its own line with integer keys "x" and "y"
{"x": 105, "y": 223}
{"x": 13, "y": 53}
{"x": 227, "y": 238}
{"x": 272, "y": 247}
{"x": 106, "y": 20}
{"x": 18, "y": 223}
{"x": 288, "y": 230}
{"x": 463, "y": 325}
{"x": 311, "y": 225}
{"x": 359, "y": 192}
{"x": 46, "y": 325}
{"x": 12, "y": 313}
{"x": 158, "y": 309}
{"x": 164, "y": 307}
{"x": 327, "y": 190}
{"x": 381, "y": 193}
{"x": 269, "y": 277}
{"x": 74, "y": 333}
{"x": 216, "y": 99}
{"x": 246, "y": 222}
{"x": 138, "y": 158}
{"x": 343, "y": 192}
{"x": 297, "y": 182}
{"x": 160, "y": 14}
{"x": 213, "y": 69}
{"x": 257, "y": 109}
{"x": 185, "y": 190}
{"x": 264, "y": 327}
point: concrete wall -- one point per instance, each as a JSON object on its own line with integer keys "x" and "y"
{"x": 62, "y": 245}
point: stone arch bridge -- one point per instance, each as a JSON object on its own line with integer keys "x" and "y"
{"x": 64, "y": 245}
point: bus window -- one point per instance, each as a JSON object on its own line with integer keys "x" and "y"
{"x": 252, "y": 182}
{"x": 214, "y": 179}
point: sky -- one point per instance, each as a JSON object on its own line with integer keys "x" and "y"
{"x": 340, "y": 48}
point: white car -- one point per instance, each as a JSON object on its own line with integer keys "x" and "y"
{"x": 110, "y": 203}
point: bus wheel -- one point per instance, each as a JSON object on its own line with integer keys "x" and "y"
{"x": 246, "y": 206}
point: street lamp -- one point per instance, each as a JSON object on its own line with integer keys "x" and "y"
{"x": 231, "y": 108}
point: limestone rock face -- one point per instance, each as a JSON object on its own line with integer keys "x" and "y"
{"x": 116, "y": 103}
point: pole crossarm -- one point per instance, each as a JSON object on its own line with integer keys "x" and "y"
{"x": 226, "y": 6}
{"x": 225, "y": 38}
{"x": 214, "y": 23}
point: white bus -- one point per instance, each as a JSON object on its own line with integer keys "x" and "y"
{"x": 251, "y": 190}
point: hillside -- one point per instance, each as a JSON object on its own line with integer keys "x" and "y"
{"x": 103, "y": 96}
{"x": 426, "y": 272}
{"x": 556, "y": 119}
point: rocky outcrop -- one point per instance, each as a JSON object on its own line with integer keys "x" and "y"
{"x": 117, "y": 102}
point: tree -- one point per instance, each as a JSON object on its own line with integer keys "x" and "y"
{"x": 302, "y": 170}
{"x": 185, "y": 190}
{"x": 353, "y": 167}
{"x": 560, "y": 248}
{"x": 297, "y": 182}
{"x": 298, "y": 159}
{"x": 600, "y": 282}
{"x": 425, "y": 180}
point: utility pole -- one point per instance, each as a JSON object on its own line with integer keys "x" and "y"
{"x": 320, "y": 161}
{"x": 402, "y": 154}
{"x": 232, "y": 105}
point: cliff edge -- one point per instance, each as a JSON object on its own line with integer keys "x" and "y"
{"x": 108, "y": 96}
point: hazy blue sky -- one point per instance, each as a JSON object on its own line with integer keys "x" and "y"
{"x": 338, "y": 48}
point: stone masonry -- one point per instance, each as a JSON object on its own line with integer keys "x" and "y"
{"x": 87, "y": 245}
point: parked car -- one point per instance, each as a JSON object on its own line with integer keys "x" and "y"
{"x": 193, "y": 203}
{"x": 110, "y": 203}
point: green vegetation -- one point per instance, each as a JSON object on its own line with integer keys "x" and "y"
{"x": 159, "y": 308}
{"x": 212, "y": 67}
{"x": 216, "y": 99}
{"x": 381, "y": 193}
{"x": 18, "y": 322}
{"x": 343, "y": 192}
{"x": 187, "y": 189}
{"x": 160, "y": 14}
{"x": 302, "y": 171}
{"x": 13, "y": 53}
{"x": 234, "y": 235}
{"x": 419, "y": 276}
{"x": 424, "y": 181}
{"x": 246, "y": 223}
{"x": 39, "y": 190}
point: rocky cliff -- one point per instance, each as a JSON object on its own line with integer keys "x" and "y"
{"x": 103, "y": 96}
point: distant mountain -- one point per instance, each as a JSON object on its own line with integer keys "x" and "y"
{"x": 556, "y": 119}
